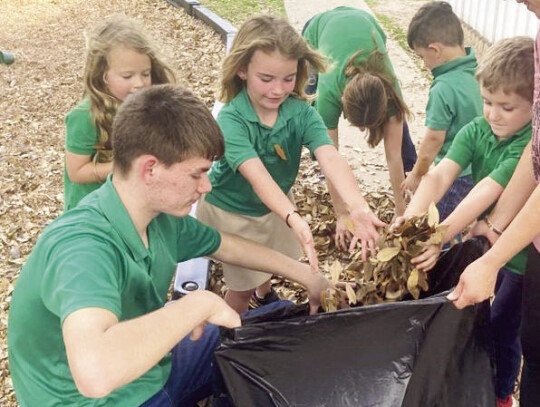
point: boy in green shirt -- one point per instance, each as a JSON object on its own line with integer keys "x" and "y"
{"x": 436, "y": 35}
{"x": 492, "y": 145}
{"x": 87, "y": 322}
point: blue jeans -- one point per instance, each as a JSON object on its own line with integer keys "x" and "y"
{"x": 408, "y": 152}
{"x": 455, "y": 194}
{"x": 192, "y": 373}
{"x": 505, "y": 326}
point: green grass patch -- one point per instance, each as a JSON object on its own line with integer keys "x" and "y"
{"x": 237, "y": 11}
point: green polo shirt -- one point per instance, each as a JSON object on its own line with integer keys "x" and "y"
{"x": 338, "y": 34}
{"x": 81, "y": 138}
{"x": 297, "y": 125}
{"x": 477, "y": 146}
{"x": 92, "y": 256}
{"x": 454, "y": 99}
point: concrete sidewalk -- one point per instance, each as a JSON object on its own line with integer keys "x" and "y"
{"x": 369, "y": 165}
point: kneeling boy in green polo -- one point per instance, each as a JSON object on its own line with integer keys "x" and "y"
{"x": 492, "y": 145}
{"x": 87, "y": 324}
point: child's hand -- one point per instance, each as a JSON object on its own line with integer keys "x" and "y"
{"x": 343, "y": 235}
{"x": 476, "y": 284}
{"x": 314, "y": 288}
{"x": 397, "y": 222}
{"x": 304, "y": 236}
{"x": 410, "y": 183}
{"x": 481, "y": 229}
{"x": 365, "y": 225}
{"x": 428, "y": 258}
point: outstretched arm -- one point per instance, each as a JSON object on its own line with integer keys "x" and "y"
{"x": 512, "y": 199}
{"x": 430, "y": 147}
{"x": 347, "y": 193}
{"x": 477, "y": 282}
{"x": 248, "y": 254}
{"x": 433, "y": 186}
{"x": 340, "y": 209}
{"x": 393, "y": 134}
{"x": 484, "y": 194}
{"x": 269, "y": 192}
{"x": 481, "y": 197}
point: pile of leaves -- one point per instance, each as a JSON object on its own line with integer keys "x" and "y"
{"x": 385, "y": 277}
{"x": 314, "y": 204}
{"x": 389, "y": 275}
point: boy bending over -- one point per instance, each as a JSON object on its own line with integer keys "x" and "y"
{"x": 492, "y": 145}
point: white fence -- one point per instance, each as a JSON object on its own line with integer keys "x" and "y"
{"x": 496, "y": 19}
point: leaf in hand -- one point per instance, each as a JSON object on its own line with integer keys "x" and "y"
{"x": 388, "y": 253}
{"x": 433, "y": 215}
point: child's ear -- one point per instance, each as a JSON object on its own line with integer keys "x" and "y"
{"x": 436, "y": 48}
{"x": 242, "y": 75}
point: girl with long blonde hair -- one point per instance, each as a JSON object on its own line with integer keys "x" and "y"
{"x": 120, "y": 60}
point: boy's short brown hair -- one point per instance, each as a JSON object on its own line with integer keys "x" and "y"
{"x": 435, "y": 22}
{"x": 509, "y": 65}
{"x": 168, "y": 122}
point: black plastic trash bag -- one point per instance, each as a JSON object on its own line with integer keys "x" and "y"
{"x": 412, "y": 353}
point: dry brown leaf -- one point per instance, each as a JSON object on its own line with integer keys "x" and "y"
{"x": 433, "y": 215}
{"x": 335, "y": 271}
{"x": 388, "y": 253}
{"x": 412, "y": 283}
{"x": 351, "y": 294}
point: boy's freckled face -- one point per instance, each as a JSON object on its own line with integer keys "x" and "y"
{"x": 506, "y": 113}
{"x": 179, "y": 186}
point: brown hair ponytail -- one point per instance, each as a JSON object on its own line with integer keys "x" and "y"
{"x": 370, "y": 95}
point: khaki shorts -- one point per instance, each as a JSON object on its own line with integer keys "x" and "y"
{"x": 269, "y": 230}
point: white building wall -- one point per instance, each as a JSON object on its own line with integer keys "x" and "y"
{"x": 496, "y": 19}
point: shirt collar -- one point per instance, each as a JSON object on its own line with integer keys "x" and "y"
{"x": 116, "y": 213}
{"x": 287, "y": 110}
{"x": 466, "y": 62}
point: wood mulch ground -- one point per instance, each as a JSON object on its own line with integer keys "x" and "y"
{"x": 37, "y": 91}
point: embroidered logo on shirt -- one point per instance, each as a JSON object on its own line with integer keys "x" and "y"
{"x": 280, "y": 152}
